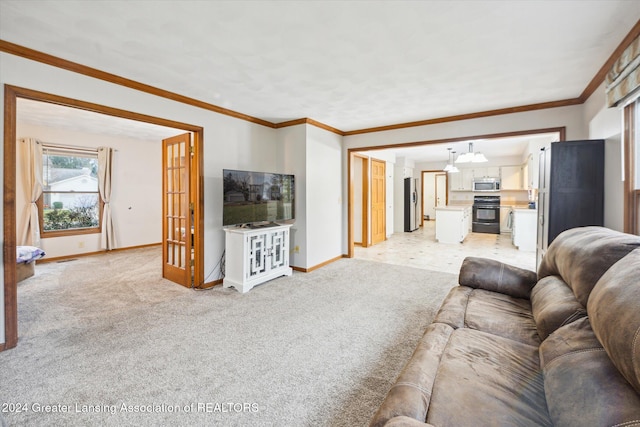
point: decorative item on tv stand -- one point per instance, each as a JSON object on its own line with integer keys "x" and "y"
{"x": 258, "y": 212}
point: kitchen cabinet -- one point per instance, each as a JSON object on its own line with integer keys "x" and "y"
{"x": 525, "y": 222}
{"x": 506, "y": 219}
{"x": 570, "y": 189}
{"x": 530, "y": 172}
{"x": 455, "y": 181}
{"x": 511, "y": 177}
{"x": 453, "y": 223}
{"x": 524, "y": 176}
{"x": 254, "y": 256}
{"x": 487, "y": 172}
{"x": 461, "y": 181}
{"x": 467, "y": 179}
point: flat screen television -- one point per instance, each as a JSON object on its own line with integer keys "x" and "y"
{"x": 257, "y": 198}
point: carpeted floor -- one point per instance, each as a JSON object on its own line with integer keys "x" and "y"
{"x": 105, "y": 340}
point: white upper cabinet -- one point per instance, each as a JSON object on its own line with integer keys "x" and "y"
{"x": 511, "y": 177}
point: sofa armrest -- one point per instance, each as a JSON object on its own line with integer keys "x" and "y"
{"x": 492, "y": 275}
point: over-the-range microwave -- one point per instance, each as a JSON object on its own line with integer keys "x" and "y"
{"x": 486, "y": 184}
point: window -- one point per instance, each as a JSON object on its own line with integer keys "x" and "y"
{"x": 70, "y": 202}
{"x": 631, "y": 167}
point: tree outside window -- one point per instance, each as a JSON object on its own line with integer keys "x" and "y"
{"x": 70, "y": 201}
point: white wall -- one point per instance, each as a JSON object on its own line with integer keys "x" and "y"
{"x": 606, "y": 123}
{"x": 292, "y": 159}
{"x": 571, "y": 117}
{"x": 358, "y": 194}
{"x": 324, "y": 196}
{"x": 390, "y": 213}
{"x": 136, "y": 200}
{"x": 313, "y": 155}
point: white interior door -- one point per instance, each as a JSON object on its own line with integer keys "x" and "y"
{"x": 441, "y": 189}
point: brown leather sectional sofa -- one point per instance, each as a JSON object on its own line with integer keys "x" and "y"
{"x": 510, "y": 347}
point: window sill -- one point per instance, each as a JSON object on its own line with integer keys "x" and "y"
{"x": 66, "y": 233}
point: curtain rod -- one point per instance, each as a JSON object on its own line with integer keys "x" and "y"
{"x": 68, "y": 147}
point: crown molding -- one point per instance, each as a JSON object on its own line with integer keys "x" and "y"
{"x": 75, "y": 67}
{"x": 501, "y": 111}
{"x": 311, "y": 122}
{"x": 562, "y": 133}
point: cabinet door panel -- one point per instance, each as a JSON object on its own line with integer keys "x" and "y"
{"x": 257, "y": 254}
{"x": 278, "y": 256}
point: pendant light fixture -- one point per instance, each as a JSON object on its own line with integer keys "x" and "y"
{"x": 471, "y": 157}
{"x": 454, "y": 169}
{"x": 450, "y": 167}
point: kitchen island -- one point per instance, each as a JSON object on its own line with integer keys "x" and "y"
{"x": 453, "y": 223}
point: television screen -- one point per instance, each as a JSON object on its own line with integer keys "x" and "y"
{"x": 257, "y": 197}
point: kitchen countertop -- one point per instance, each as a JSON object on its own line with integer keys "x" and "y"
{"x": 453, "y": 208}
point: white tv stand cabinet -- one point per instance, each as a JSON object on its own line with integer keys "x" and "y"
{"x": 256, "y": 255}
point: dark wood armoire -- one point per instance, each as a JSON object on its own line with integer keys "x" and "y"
{"x": 570, "y": 189}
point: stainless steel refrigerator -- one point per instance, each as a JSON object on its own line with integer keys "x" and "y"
{"x": 410, "y": 205}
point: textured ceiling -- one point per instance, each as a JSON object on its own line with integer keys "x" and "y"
{"x": 77, "y": 120}
{"x": 349, "y": 64}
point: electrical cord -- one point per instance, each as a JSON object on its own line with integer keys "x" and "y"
{"x": 221, "y": 266}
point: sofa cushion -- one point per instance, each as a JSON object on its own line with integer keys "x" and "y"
{"x": 460, "y": 377}
{"x": 554, "y": 305}
{"x": 581, "y": 256}
{"x": 492, "y": 275}
{"x": 488, "y": 380}
{"x": 615, "y": 315}
{"x": 490, "y": 312}
{"x": 582, "y": 386}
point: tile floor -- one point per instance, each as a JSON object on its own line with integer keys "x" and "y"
{"x": 420, "y": 249}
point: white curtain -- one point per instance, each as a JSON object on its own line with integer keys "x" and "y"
{"x": 105, "y": 157}
{"x": 30, "y": 161}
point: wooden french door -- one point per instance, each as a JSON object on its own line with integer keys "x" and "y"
{"x": 177, "y": 224}
{"x": 378, "y": 201}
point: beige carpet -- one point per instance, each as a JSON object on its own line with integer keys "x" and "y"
{"x": 110, "y": 342}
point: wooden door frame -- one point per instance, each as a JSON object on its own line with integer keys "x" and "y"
{"x": 436, "y": 171}
{"x": 11, "y": 95}
{"x": 631, "y": 196}
{"x": 351, "y": 152}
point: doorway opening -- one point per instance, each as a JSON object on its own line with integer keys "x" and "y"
{"x": 435, "y": 193}
{"x": 407, "y": 149}
{"x": 12, "y": 95}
